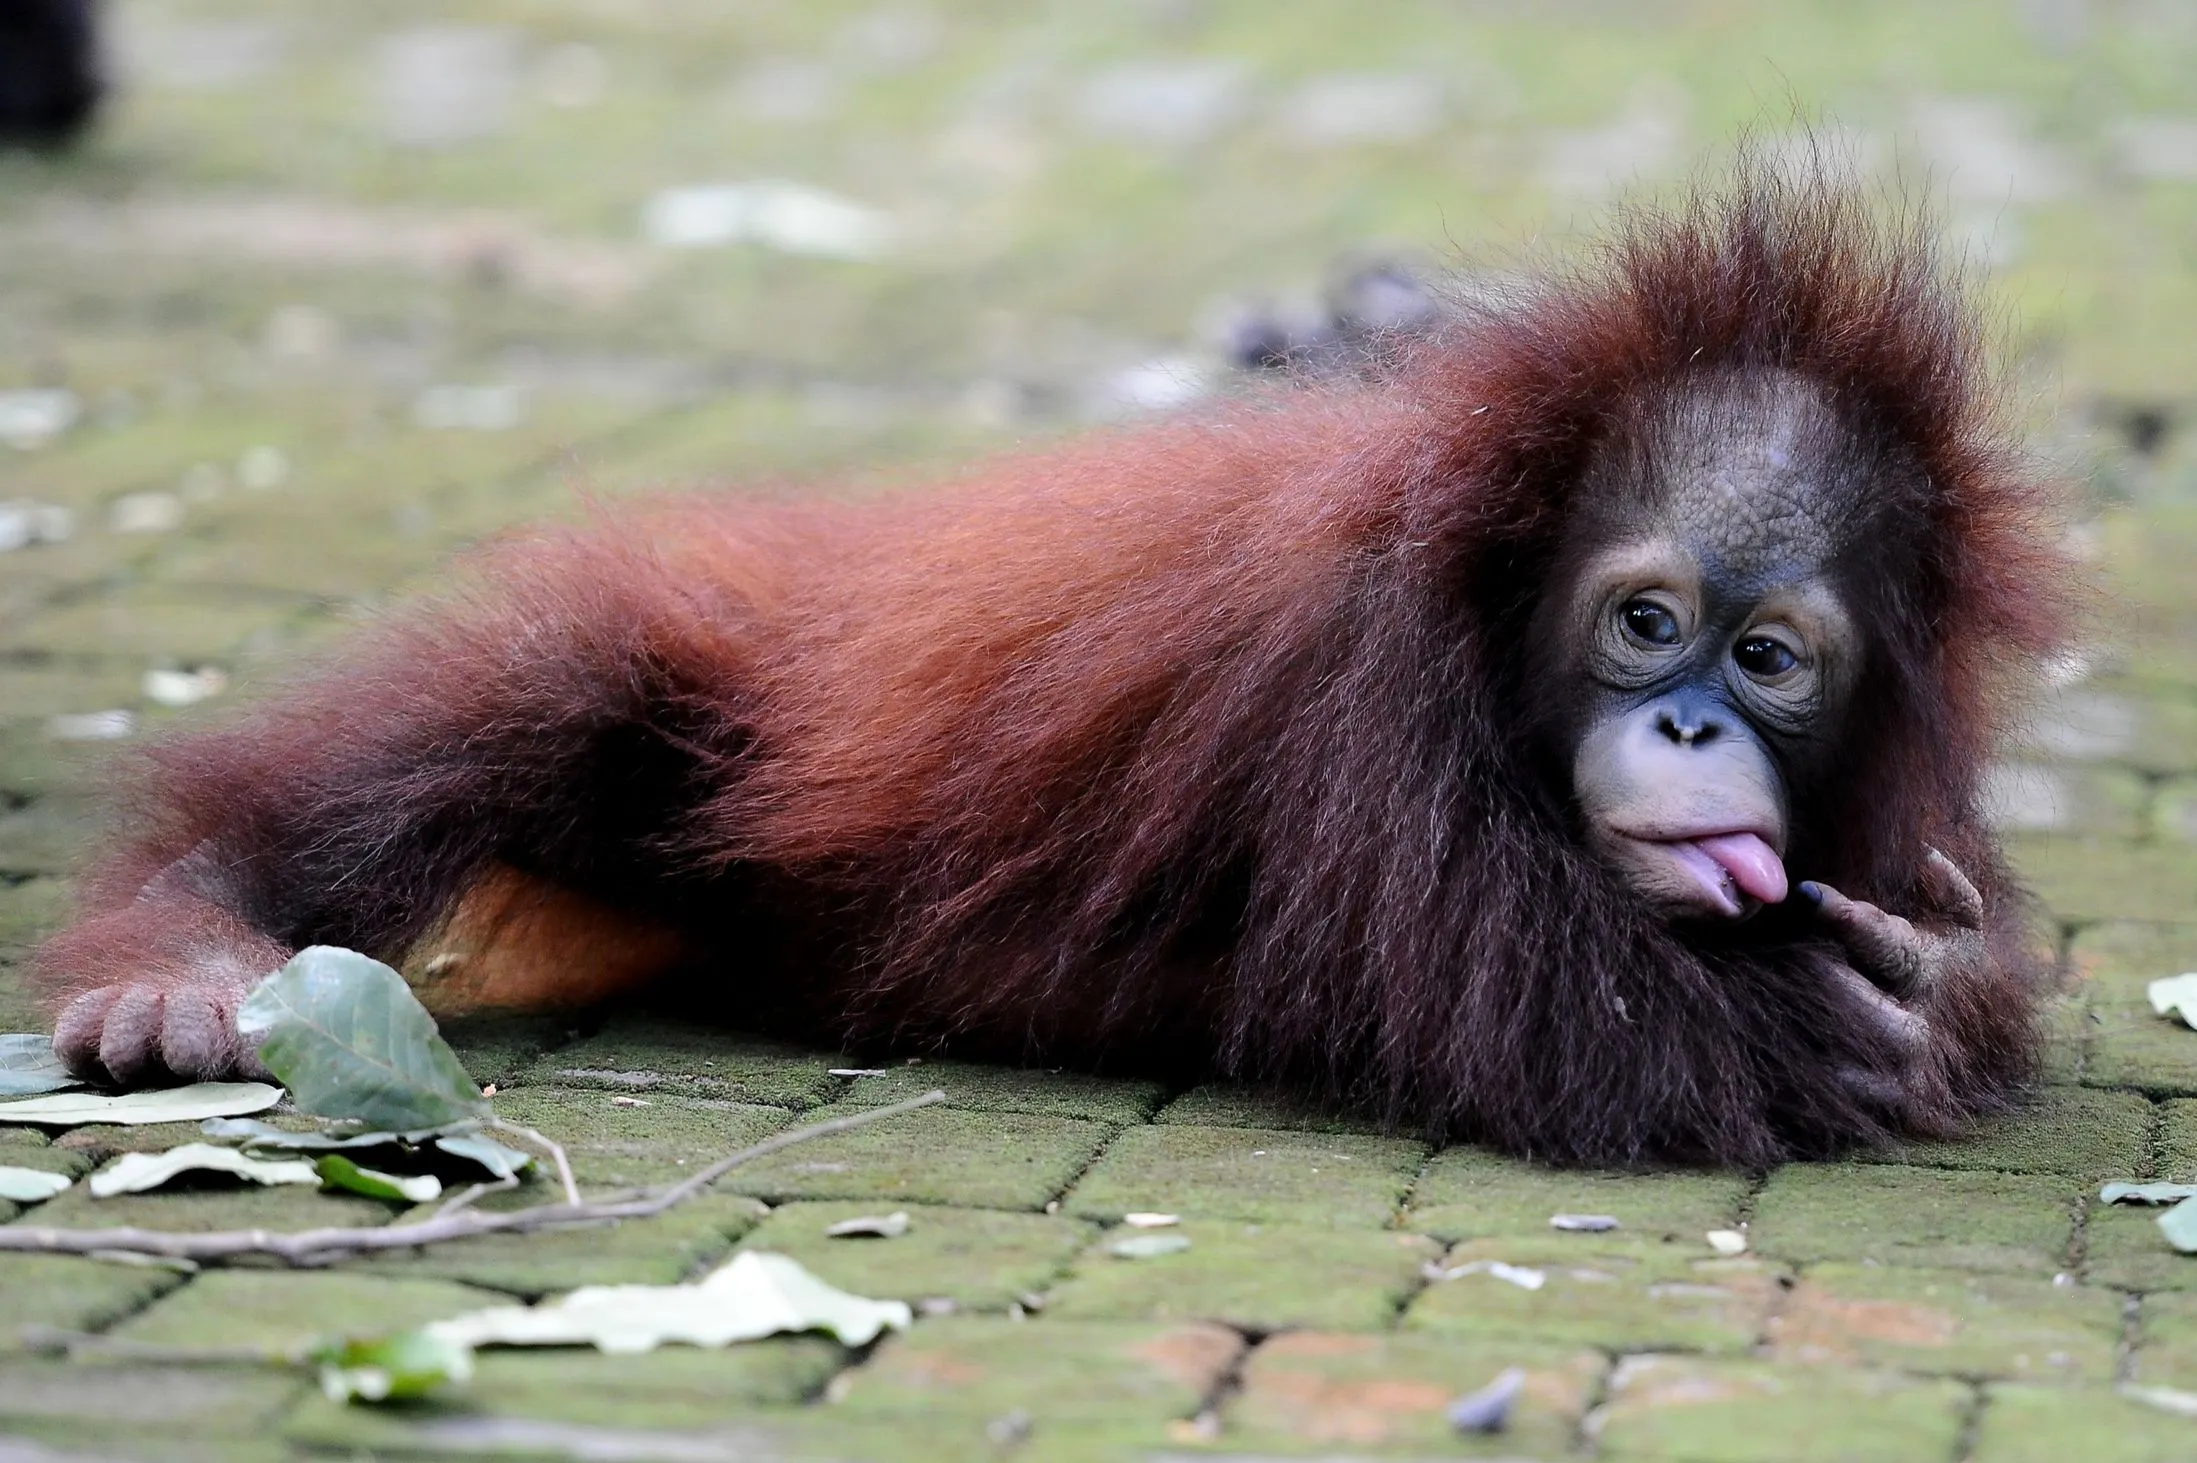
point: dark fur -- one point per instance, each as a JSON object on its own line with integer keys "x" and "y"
{"x": 50, "y": 74}
{"x": 1199, "y": 743}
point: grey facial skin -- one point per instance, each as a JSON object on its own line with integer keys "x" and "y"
{"x": 1703, "y": 622}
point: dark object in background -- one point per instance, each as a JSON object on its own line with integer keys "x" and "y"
{"x": 1371, "y": 304}
{"x": 50, "y": 79}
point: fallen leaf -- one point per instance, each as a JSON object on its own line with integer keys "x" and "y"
{"x": 1488, "y": 1410}
{"x": 31, "y": 1185}
{"x": 758, "y": 1294}
{"x": 870, "y": 1226}
{"x": 160, "y": 1105}
{"x": 2179, "y": 1225}
{"x": 1522, "y": 1276}
{"x": 1148, "y": 1246}
{"x": 1727, "y": 1241}
{"x": 1583, "y": 1223}
{"x": 28, "y": 1065}
{"x": 2146, "y": 1193}
{"x": 2175, "y": 996}
{"x": 1150, "y": 1221}
{"x": 346, "y": 1035}
{"x": 338, "y": 1172}
{"x": 460, "y": 1140}
{"x": 409, "y": 1364}
{"x": 134, "y": 1173}
{"x": 499, "y": 1159}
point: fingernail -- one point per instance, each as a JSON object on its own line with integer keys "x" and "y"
{"x": 1811, "y": 891}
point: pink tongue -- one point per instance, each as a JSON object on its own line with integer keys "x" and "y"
{"x": 1754, "y": 867}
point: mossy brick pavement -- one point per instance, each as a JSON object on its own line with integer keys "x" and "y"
{"x": 339, "y": 290}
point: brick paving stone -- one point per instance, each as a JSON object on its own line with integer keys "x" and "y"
{"x": 2123, "y": 1248}
{"x": 1051, "y": 1370}
{"x": 566, "y": 1403}
{"x": 642, "y": 1055}
{"x": 2166, "y": 1341}
{"x": 2067, "y": 1026}
{"x": 1949, "y": 1323}
{"x": 2066, "y": 1130}
{"x": 2031, "y": 1424}
{"x": 500, "y": 1049}
{"x": 1620, "y": 1296}
{"x": 2176, "y": 1140}
{"x": 2084, "y": 879}
{"x": 29, "y": 911}
{"x": 674, "y": 1246}
{"x": 2131, "y": 1045}
{"x": 1467, "y": 1192}
{"x": 1255, "y": 1277}
{"x": 1262, "y": 1175}
{"x": 1224, "y": 1105}
{"x": 1333, "y": 1391}
{"x": 72, "y": 1294}
{"x": 980, "y": 1259}
{"x": 1928, "y": 1218}
{"x": 51, "y": 836}
{"x": 617, "y": 1140}
{"x": 1702, "y": 1410}
{"x": 129, "y": 1410}
{"x": 1057, "y": 1093}
{"x": 931, "y": 1156}
{"x": 217, "y": 1204}
{"x": 287, "y": 1309}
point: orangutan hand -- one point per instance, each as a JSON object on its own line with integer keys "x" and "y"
{"x": 1894, "y": 967}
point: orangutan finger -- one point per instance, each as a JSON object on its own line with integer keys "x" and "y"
{"x": 1952, "y": 891}
{"x": 129, "y": 1041}
{"x": 1903, "y": 1028}
{"x": 199, "y": 1039}
{"x": 1875, "y": 1089}
{"x": 76, "y": 1034}
{"x": 1888, "y": 949}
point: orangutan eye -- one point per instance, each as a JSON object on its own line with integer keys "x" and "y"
{"x": 1650, "y": 623}
{"x": 1764, "y": 658}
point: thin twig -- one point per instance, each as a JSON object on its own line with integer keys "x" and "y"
{"x": 319, "y": 1246}
{"x": 556, "y": 1152}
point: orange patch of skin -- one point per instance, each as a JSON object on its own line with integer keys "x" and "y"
{"x": 517, "y": 943}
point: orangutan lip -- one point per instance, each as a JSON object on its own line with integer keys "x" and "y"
{"x": 1737, "y": 869}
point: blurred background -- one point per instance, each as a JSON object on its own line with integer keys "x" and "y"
{"x": 324, "y": 292}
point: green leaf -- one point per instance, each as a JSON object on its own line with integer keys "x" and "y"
{"x": 389, "y": 1368}
{"x": 2179, "y": 1224}
{"x": 499, "y": 1160}
{"x": 134, "y": 1173}
{"x": 2175, "y": 996}
{"x": 161, "y": 1105}
{"x": 348, "y": 1038}
{"x": 2146, "y": 1193}
{"x": 31, "y": 1185}
{"x": 758, "y": 1294}
{"x": 28, "y": 1065}
{"x": 338, "y": 1172}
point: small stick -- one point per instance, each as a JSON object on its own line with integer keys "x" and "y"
{"x": 319, "y": 1246}
{"x": 555, "y": 1150}
{"x": 464, "y": 1198}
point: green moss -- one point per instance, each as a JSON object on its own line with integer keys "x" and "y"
{"x": 1594, "y": 1291}
{"x": 1342, "y": 1181}
{"x": 2028, "y": 1424}
{"x": 674, "y": 1246}
{"x": 2064, "y": 1130}
{"x": 1221, "y": 1105}
{"x": 2083, "y": 879}
{"x": 1255, "y": 1277}
{"x": 1468, "y": 1192}
{"x": 641, "y": 1056}
{"x": 1055, "y": 1092}
{"x": 979, "y": 1259}
{"x": 931, "y": 1156}
{"x": 1712, "y": 1411}
{"x": 1930, "y": 1218}
{"x": 72, "y": 1294}
{"x": 284, "y": 1310}
{"x": 616, "y": 1141}
{"x": 1949, "y": 1323}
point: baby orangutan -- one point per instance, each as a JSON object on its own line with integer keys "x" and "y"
{"x": 1567, "y": 737}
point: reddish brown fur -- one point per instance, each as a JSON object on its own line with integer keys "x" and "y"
{"x": 1194, "y": 744}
